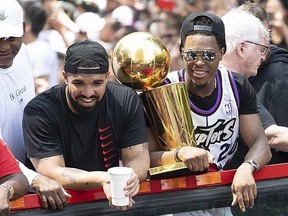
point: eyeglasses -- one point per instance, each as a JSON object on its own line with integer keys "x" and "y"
{"x": 263, "y": 48}
{"x": 207, "y": 56}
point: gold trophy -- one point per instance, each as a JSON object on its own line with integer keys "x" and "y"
{"x": 141, "y": 61}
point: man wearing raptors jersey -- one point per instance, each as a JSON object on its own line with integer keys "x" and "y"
{"x": 222, "y": 104}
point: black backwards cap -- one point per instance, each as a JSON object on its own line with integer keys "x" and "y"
{"x": 217, "y": 27}
{"x": 86, "y": 51}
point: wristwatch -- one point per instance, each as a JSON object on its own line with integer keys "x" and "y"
{"x": 254, "y": 164}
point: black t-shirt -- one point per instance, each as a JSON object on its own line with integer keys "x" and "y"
{"x": 271, "y": 85}
{"x": 90, "y": 143}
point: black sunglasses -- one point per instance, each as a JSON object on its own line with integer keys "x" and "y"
{"x": 207, "y": 56}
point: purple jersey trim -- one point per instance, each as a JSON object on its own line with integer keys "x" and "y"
{"x": 218, "y": 100}
{"x": 234, "y": 88}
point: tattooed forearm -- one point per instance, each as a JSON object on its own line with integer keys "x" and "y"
{"x": 144, "y": 146}
{"x": 70, "y": 173}
{"x": 139, "y": 151}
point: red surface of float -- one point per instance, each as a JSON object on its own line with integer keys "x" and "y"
{"x": 209, "y": 179}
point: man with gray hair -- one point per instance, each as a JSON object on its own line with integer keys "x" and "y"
{"x": 247, "y": 47}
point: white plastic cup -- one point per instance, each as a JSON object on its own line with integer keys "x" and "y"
{"x": 118, "y": 180}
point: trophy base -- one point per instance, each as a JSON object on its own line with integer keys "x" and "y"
{"x": 171, "y": 171}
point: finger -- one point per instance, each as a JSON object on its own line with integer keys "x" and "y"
{"x": 206, "y": 164}
{"x": 43, "y": 201}
{"x": 200, "y": 164}
{"x": 234, "y": 200}
{"x": 240, "y": 201}
{"x": 110, "y": 202}
{"x": 67, "y": 195}
{"x": 131, "y": 202}
{"x": 123, "y": 208}
{"x": 118, "y": 207}
{"x": 51, "y": 202}
{"x": 254, "y": 191}
{"x": 188, "y": 165}
{"x": 133, "y": 191}
{"x": 132, "y": 187}
{"x": 63, "y": 196}
{"x": 195, "y": 166}
{"x": 203, "y": 164}
{"x": 251, "y": 199}
{"x": 60, "y": 204}
{"x": 132, "y": 182}
{"x": 246, "y": 198}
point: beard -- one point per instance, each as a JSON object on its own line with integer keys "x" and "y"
{"x": 81, "y": 110}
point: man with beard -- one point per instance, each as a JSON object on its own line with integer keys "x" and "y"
{"x": 76, "y": 130}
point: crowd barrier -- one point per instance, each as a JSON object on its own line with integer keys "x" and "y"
{"x": 172, "y": 195}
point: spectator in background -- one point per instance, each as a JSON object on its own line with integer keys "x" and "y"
{"x": 278, "y": 15}
{"x": 247, "y": 45}
{"x": 17, "y": 89}
{"x": 13, "y": 184}
{"x": 59, "y": 30}
{"x": 183, "y": 8}
{"x": 167, "y": 29}
{"x": 271, "y": 86}
{"x": 43, "y": 58}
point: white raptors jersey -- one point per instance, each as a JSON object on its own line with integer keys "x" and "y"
{"x": 216, "y": 129}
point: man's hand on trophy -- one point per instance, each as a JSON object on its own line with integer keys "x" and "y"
{"x": 196, "y": 159}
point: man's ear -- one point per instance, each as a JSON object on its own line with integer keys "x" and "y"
{"x": 65, "y": 77}
{"x": 240, "y": 49}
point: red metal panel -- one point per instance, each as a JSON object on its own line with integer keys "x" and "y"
{"x": 210, "y": 179}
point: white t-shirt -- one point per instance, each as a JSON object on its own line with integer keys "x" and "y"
{"x": 16, "y": 90}
{"x": 44, "y": 60}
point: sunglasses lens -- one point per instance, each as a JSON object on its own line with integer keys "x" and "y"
{"x": 209, "y": 56}
{"x": 190, "y": 56}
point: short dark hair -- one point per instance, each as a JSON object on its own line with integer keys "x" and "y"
{"x": 34, "y": 15}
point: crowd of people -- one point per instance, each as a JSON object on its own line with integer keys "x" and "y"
{"x": 64, "y": 121}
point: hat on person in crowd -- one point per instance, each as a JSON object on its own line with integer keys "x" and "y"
{"x": 124, "y": 15}
{"x": 90, "y": 52}
{"x": 216, "y": 27}
{"x": 11, "y": 19}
